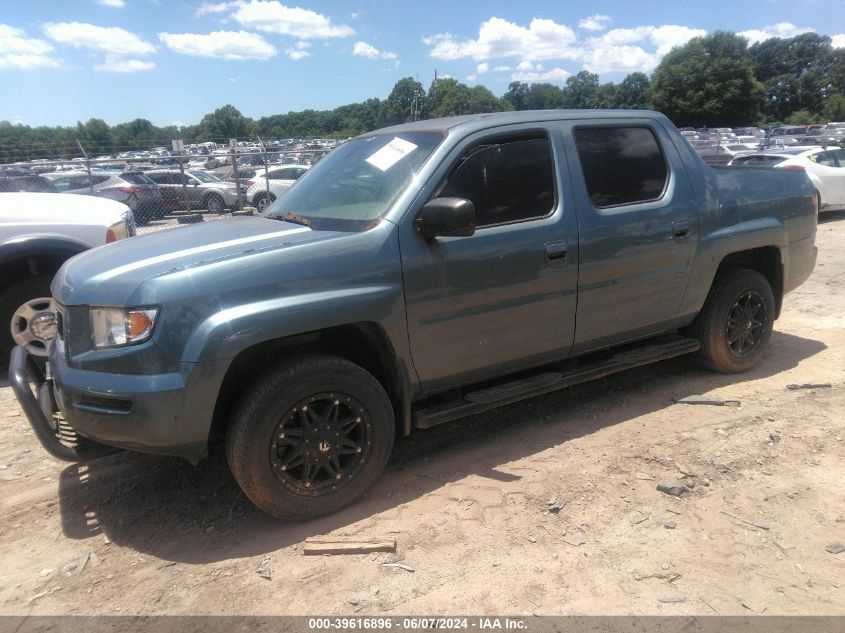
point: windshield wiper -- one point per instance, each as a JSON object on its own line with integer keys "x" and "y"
{"x": 296, "y": 219}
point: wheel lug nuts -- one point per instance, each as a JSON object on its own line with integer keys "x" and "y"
{"x": 283, "y": 467}
{"x": 305, "y": 408}
{"x": 281, "y": 436}
{"x": 357, "y": 419}
{"x": 337, "y": 402}
{"x": 338, "y": 476}
{"x": 358, "y": 450}
{"x": 307, "y": 484}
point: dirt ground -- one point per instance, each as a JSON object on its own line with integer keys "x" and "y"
{"x": 468, "y": 504}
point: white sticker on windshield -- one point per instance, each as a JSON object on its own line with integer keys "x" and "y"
{"x": 392, "y": 153}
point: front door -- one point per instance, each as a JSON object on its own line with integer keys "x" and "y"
{"x": 504, "y": 298}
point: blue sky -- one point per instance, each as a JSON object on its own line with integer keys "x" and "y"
{"x": 169, "y": 61}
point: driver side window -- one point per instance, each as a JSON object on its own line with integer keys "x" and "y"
{"x": 506, "y": 180}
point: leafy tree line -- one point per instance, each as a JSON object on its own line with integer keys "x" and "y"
{"x": 716, "y": 80}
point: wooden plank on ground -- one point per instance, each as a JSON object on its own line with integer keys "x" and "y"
{"x": 318, "y": 545}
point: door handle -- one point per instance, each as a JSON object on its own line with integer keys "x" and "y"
{"x": 556, "y": 250}
{"x": 680, "y": 230}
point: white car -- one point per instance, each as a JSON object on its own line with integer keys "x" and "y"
{"x": 279, "y": 178}
{"x": 38, "y": 233}
{"x": 824, "y": 166}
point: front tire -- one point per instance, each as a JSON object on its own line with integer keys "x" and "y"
{"x": 736, "y": 322}
{"x": 310, "y": 437}
{"x": 20, "y": 306}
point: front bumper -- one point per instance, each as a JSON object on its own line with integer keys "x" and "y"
{"x": 145, "y": 413}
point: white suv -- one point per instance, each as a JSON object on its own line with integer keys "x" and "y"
{"x": 38, "y": 233}
{"x": 280, "y": 179}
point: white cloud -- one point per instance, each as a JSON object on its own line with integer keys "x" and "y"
{"x": 22, "y": 52}
{"x": 596, "y": 22}
{"x": 114, "y": 4}
{"x": 122, "y": 65}
{"x": 228, "y": 45}
{"x": 362, "y": 49}
{"x": 215, "y": 7}
{"x": 838, "y": 41}
{"x": 526, "y": 71}
{"x": 502, "y": 69}
{"x": 542, "y": 39}
{"x": 298, "y": 51}
{"x": 482, "y": 68}
{"x": 274, "y": 17}
{"x": 110, "y": 40}
{"x": 618, "y": 50}
{"x": 782, "y": 29}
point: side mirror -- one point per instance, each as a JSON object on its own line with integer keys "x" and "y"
{"x": 446, "y": 217}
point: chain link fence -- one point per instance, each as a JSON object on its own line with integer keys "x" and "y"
{"x": 160, "y": 184}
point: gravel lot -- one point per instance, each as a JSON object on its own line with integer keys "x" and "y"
{"x": 468, "y": 504}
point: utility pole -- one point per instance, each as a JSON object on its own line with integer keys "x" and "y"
{"x": 415, "y": 105}
{"x": 434, "y": 90}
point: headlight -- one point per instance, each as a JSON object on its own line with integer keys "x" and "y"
{"x": 117, "y": 231}
{"x": 113, "y": 327}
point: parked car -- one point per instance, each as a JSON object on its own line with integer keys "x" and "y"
{"x": 204, "y": 190}
{"x": 722, "y": 154}
{"x": 38, "y": 233}
{"x": 414, "y": 276}
{"x": 279, "y": 180}
{"x": 132, "y": 188}
{"x": 825, "y": 167}
{"x": 31, "y": 182}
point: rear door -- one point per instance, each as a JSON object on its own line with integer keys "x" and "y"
{"x": 638, "y": 229}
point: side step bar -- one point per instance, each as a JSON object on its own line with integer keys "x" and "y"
{"x": 486, "y": 399}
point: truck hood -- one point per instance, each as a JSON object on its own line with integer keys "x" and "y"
{"x": 108, "y": 275}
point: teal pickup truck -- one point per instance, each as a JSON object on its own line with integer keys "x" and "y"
{"x": 414, "y": 276}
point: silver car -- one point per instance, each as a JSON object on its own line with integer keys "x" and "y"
{"x": 205, "y": 190}
{"x": 132, "y": 188}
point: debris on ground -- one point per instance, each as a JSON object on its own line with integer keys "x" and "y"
{"x": 708, "y": 400}
{"x": 556, "y": 504}
{"x": 670, "y": 525}
{"x": 810, "y": 385}
{"x": 672, "y": 488}
{"x": 407, "y": 568}
{"x": 672, "y": 599}
{"x": 733, "y": 516}
{"x": 83, "y": 561}
{"x": 835, "y": 548}
{"x": 264, "y": 569}
{"x": 575, "y": 540}
{"x": 315, "y": 546}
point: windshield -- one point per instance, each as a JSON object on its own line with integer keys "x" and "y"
{"x": 203, "y": 176}
{"x": 354, "y": 186}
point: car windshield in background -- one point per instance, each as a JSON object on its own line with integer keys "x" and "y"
{"x": 203, "y": 176}
{"x": 353, "y": 187}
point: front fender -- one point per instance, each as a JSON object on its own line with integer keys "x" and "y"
{"x": 231, "y": 330}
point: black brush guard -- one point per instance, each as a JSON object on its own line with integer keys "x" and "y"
{"x": 59, "y": 439}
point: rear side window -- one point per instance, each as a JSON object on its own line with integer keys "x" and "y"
{"x": 507, "y": 180}
{"x": 98, "y": 180}
{"x": 758, "y": 161}
{"x": 621, "y": 165}
{"x": 137, "y": 179}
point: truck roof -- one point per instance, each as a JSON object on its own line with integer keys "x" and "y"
{"x": 472, "y": 122}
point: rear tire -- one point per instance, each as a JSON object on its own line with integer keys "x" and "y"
{"x": 310, "y": 437}
{"x": 261, "y": 201}
{"x": 215, "y": 204}
{"x": 735, "y": 324}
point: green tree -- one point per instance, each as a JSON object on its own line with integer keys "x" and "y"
{"x": 398, "y": 106}
{"x": 224, "y": 123}
{"x": 708, "y": 81}
{"x": 834, "y": 108}
{"x": 634, "y": 92}
{"x": 581, "y": 91}
{"x": 516, "y": 95}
